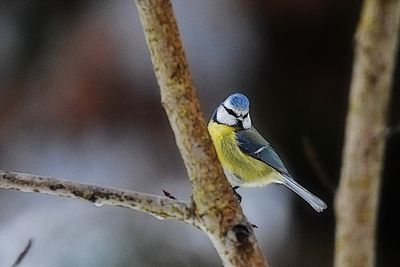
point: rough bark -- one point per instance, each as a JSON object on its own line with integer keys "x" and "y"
{"x": 217, "y": 211}
{"x": 357, "y": 199}
{"x": 160, "y": 207}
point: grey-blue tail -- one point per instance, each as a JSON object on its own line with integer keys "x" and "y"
{"x": 314, "y": 201}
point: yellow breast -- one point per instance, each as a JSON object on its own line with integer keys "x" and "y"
{"x": 249, "y": 170}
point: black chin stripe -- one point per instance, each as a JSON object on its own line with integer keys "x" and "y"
{"x": 239, "y": 124}
{"x": 214, "y": 117}
{"x": 230, "y": 111}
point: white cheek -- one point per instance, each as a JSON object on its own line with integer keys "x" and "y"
{"x": 247, "y": 122}
{"x": 225, "y": 118}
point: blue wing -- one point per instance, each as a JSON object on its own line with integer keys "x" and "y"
{"x": 253, "y": 144}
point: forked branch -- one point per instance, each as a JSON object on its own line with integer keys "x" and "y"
{"x": 217, "y": 210}
{"x": 214, "y": 209}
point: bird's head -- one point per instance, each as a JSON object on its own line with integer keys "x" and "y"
{"x": 234, "y": 111}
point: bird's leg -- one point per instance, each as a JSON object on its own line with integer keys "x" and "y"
{"x": 239, "y": 197}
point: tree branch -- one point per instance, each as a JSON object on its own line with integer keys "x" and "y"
{"x": 217, "y": 210}
{"x": 214, "y": 209}
{"x": 160, "y": 207}
{"x": 316, "y": 165}
{"x": 365, "y": 137}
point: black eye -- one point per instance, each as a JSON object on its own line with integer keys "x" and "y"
{"x": 245, "y": 116}
{"x": 230, "y": 111}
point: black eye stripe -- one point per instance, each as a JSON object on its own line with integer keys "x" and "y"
{"x": 230, "y": 112}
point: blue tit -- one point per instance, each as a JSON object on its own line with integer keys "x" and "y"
{"x": 247, "y": 158}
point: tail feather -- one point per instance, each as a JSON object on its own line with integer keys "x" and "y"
{"x": 313, "y": 200}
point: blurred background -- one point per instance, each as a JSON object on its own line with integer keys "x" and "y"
{"x": 79, "y": 100}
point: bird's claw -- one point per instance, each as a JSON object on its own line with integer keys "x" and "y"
{"x": 239, "y": 197}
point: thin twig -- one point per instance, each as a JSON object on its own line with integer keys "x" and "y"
{"x": 392, "y": 130}
{"x": 160, "y": 207}
{"x": 23, "y": 253}
{"x": 168, "y": 194}
{"x": 316, "y": 165}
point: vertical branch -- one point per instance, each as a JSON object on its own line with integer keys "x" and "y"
{"x": 217, "y": 211}
{"x": 363, "y": 156}
{"x": 178, "y": 94}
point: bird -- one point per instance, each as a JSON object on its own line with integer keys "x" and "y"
{"x": 247, "y": 158}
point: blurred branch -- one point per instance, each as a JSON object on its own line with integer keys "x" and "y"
{"x": 316, "y": 165}
{"x": 392, "y": 130}
{"x": 160, "y": 207}
{"x": 217, "y": 211}
{"x": 23, "y": 254}
{"x": 357, "y": 199}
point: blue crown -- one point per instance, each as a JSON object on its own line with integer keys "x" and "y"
{"x": 239, "y": 101}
